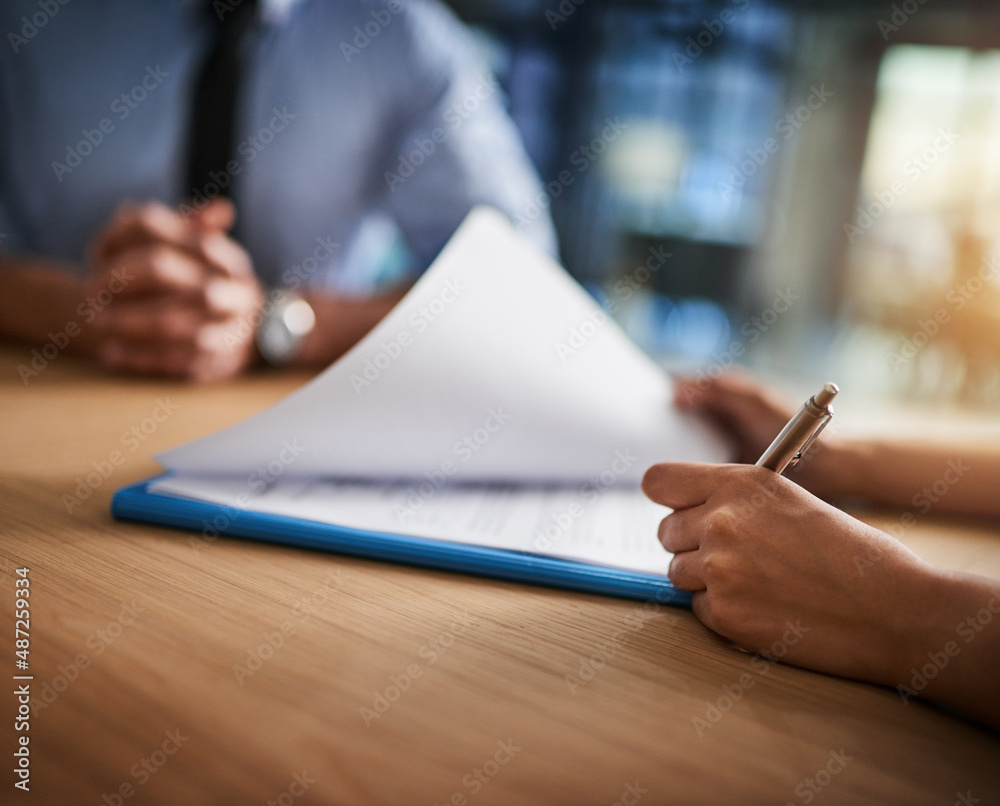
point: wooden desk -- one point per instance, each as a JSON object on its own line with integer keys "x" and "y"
{"x": 478, "y": 672}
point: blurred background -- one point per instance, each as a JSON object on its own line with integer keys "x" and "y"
{"x": 823, "y": 176}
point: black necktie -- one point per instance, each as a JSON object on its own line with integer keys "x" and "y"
{"x": 213, "y": 108}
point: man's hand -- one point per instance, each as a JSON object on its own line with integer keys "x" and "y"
{"x": 759, "y": 552}
{"x": 187, "y": 303}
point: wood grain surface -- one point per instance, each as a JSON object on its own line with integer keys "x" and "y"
{"x": 183, "y": 671}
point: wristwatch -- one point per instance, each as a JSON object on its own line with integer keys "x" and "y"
{"x": 284, "y": 328}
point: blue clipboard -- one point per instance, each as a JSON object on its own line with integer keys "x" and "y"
{"x": 137, "y": 503}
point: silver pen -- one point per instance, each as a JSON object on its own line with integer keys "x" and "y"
{"x": 805, "y": 425}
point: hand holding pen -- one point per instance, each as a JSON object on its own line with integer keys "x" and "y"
{"x": 801, "y": 431}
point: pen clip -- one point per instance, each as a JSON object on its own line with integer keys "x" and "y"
{"x": 819, "y": 429}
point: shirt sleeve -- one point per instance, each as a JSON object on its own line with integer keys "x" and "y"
{"x": 9, "y": 241}
{"x": 457, "y": 147}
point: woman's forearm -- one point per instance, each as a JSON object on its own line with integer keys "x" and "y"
{"x": 952, "y": 478}
{"x": 954, "y": 653}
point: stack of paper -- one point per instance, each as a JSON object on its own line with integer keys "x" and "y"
{"x": 496, "y": 405}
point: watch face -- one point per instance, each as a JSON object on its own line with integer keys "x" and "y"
{"x": 275, "y": 342}
{"x": 284, "y": 328}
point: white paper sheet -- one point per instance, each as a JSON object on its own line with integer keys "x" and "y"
{"x": 614, "y": 527}
{"x": 496, "y": 366}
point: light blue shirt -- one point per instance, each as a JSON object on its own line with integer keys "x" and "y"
{"x": 366, "y": 132}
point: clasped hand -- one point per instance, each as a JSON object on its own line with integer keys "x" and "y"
{"x": 183, "y": 293}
